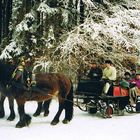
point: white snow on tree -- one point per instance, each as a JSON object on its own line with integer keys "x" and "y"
{"x": 44, "y": 8}
{"x": 11, "y": 48}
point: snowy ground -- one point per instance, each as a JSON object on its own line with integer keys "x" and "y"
{"x": 82, "y": 127}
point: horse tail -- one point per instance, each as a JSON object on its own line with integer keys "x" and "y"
{"x": 69, "y": 104}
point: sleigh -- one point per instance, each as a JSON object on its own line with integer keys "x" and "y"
{"x": 89, "y": 98}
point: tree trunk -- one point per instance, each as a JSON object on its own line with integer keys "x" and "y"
{"x": 3, "y": 18}
{"x": 5, "y": 14}
{"x": 75, "y": 15}
{"x": 70, "y": 18}
{"x": 28, "y": 5}
{"x": 8, "y": 16}
{"x": 0, "y": 20}
{"x": 81, "y": 11}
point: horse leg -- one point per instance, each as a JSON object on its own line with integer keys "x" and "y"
{"x": 11, "y": 107}
{"x": 25, "y": 119}
{"x": 68, "y": 107}
{"x": 2, "y": 112}
{"x": 46, "y": 107}
{"x": 42, "y": 107}
{"x": 65, "y": 102}
{"x": 56, "y": 118}
{"x": 38, "y": 110}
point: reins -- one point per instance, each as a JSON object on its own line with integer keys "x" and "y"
{"x": 65, "y": 99}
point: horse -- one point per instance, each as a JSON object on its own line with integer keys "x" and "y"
{"x": 48, "y": 85}
{"x": 41, "y": 106}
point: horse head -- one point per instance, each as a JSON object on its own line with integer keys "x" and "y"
{"x": 21, "y": 78}
{"x": 13, "y": 75}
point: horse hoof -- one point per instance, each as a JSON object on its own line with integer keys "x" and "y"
{"x": 36, "y": 114}
{"x": 20, "y": 125}
{"x": 46, "y": 114}
{"x": 10, "y": 118}
{"x": 54, "y": 122}
{"x": 17, "y": 126}
{"x": 65, "y": 121}
{"x": 28, "y": 122}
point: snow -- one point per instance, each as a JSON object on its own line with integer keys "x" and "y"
{"x": 12, "y": 47}
{"x": 23, "y": 26}
{"x": 83, "y": 126}
{"x": 44, "y": 66}
{"x": 116, "y": 28}
{"x": 44, "y": 8}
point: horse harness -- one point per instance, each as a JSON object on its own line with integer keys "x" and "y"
{"x": 26, "y": 82}
{"x": 20, "y": 80}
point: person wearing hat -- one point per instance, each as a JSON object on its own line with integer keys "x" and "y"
{"x": 124, "y": 82}
{"x": 109, "y": 75}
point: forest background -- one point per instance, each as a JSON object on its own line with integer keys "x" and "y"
{"x": 61, "y": 35}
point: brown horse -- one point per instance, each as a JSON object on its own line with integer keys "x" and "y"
{"x": 47, "y": 86}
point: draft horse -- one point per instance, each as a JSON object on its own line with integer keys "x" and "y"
{"x": 5, "y": 76}
{"x": 47, "y": 86}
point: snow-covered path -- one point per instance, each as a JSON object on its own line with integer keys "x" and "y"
{"x": 83, "y": 126}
